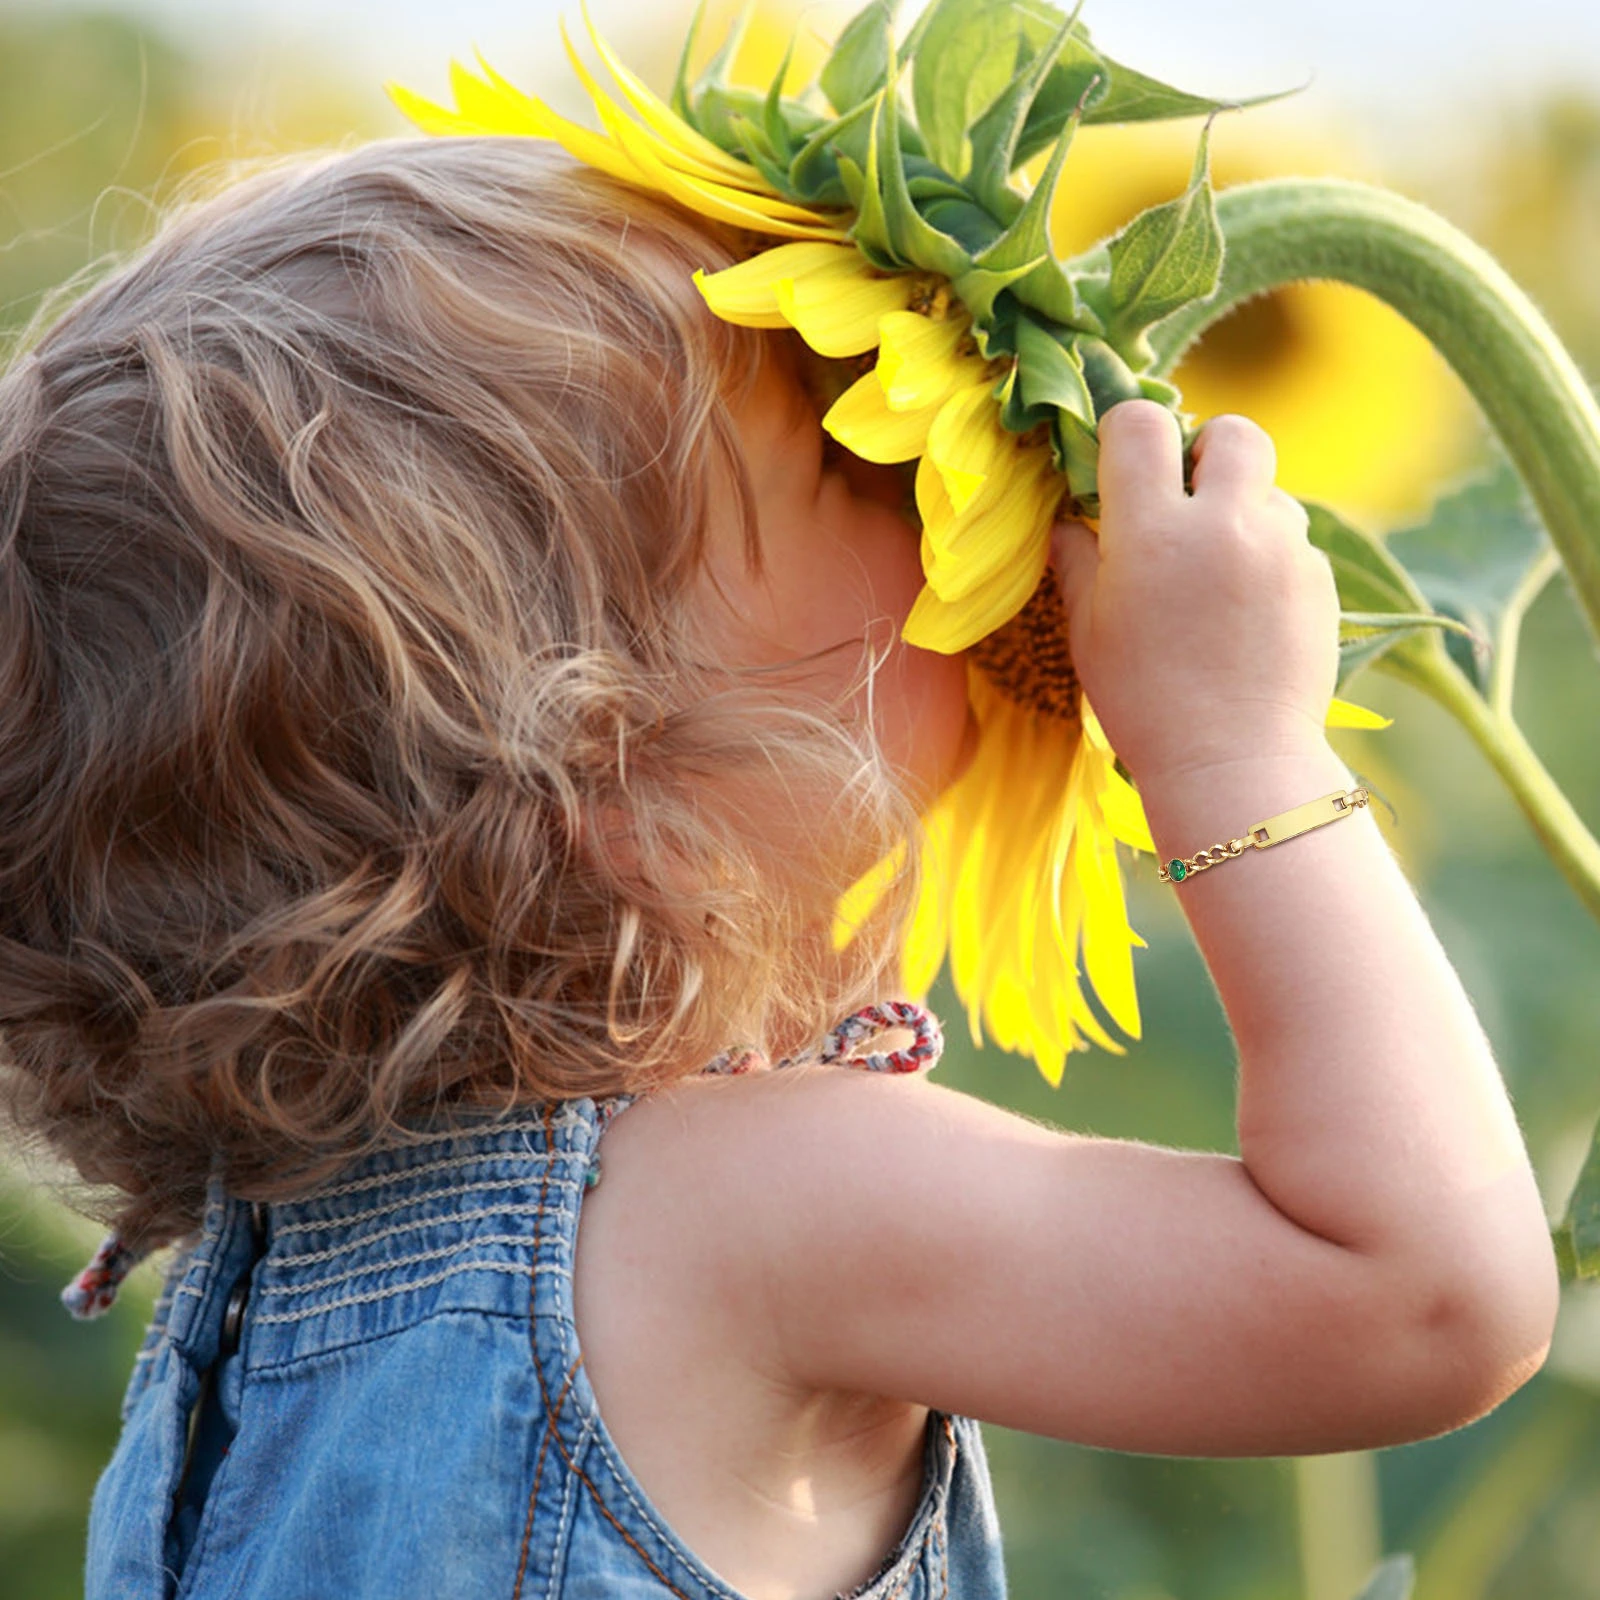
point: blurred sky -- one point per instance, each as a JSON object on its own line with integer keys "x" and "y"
{"x": 1399, "y": 64}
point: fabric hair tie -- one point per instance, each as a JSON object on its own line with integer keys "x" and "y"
{"x": 94, "y": 1291}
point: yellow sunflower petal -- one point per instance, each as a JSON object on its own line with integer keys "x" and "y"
{"x": 919, "y": 363}
{"x": 747, "y": 292}
{"x": 865, "y": 426}
{"x": 1347, "y": 714}
{"x": 836, "y": 308}
{"x": 861, "y": 899}
{"x": 966, "y": 442}
{"x": 928, "y": 935}
{"x": 495, "y": 106}
{"x": 720, "y": 203}
{"x": 1124, "y": 813}
{"x": 952, "y": 626}
{"x": 1107, "y": 947}
{"x": 630, "y": 135}
{"x": 1014, "y": 515}
{"x": 662, "y": 120}
{"x": 428, "y": 116}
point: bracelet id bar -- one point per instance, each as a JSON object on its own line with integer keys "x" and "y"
{"x": 1275, "y": 830}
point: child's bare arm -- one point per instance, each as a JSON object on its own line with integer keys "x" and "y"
{"x": 1376, "y": 1267}
{"x": 1370, "y": 1109}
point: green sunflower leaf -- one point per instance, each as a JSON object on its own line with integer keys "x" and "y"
{"x": 1166, "y": 258}
{"x": 1372, "y": 586}
{"x": 1579, "y": 1229}
{"x": 1472, "y": 557}
{"x": 859, "y": 65}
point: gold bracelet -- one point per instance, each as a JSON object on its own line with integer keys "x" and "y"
{"x": 1286, "y": 825}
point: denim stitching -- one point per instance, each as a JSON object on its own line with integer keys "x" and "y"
{"x": 376, "y": 1180}
{"x": 544, "y": 1445}
{"x": 399, "y": 1289}
{"x": 438, "y": 1253}
{"x": 349, "y": 1247}
{"x": 388, "y": 1209}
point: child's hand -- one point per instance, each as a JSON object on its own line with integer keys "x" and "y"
{"x": 1204, "y": 627}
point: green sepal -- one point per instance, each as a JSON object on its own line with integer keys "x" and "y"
{"x": 923, "y": 179}
{"x": 815, "y": 170}
{"x": 1028, "y": 237}
{"x": 869, "y": 232}
{"x": 967, "y": 54}
{"x": 1111, "y": 380}
{"x": 679, "y": 98}
{"x": 720, "y": 106}
{"x": 1163, "y": 393}
{"x": 773, "y": 122}
{"x": 1052, "y": 292}
{"x": 994, "y": 136}
{"x": 859, "y": 65}
{"x": 969, "y": 225}
{"x": 1166, "y": 258}
{"x": 911, "y": 235}
{"x": 689, "y": 99}
{"x": 1076, "y": 447}
{"x": 978, "y": 288}
{"x": 754, "y": 147}
{"x": 1048, "y": 378}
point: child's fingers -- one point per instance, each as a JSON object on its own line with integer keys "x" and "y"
{"x": 1235, "y": 457}
{"x": 1141, "y": 460}
{"x": 1075, "y": 553}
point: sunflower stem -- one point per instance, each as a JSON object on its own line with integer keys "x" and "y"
{"x": 1296, "y": 229}
{"x": 1563, "y": 833}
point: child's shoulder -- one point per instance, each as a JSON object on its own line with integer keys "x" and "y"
{"x": 850, "y": 1232}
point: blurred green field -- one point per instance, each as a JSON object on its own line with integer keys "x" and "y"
{"x": 98, "y": 113}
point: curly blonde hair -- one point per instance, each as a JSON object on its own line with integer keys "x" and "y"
{"x": 346, "y": 537}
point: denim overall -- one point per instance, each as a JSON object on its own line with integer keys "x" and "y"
{"x": 378, "y": 1391}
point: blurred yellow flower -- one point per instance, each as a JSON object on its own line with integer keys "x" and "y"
{"x": 1365, "y": 413}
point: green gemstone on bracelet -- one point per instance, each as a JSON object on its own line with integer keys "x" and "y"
{"x": 1177, "y": 871}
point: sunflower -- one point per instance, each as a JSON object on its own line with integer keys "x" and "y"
{"x": 904, "y": 235}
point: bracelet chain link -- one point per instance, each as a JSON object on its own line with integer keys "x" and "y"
{"x": 1262, "y": 836}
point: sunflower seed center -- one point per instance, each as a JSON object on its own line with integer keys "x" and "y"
{"x": 1028, "y": 659}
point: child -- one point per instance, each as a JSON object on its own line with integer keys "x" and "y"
{"x": 447, "y": 685}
